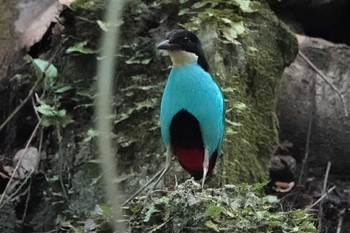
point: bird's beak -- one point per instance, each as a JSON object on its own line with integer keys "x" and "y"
{"x": 166, "y": 45}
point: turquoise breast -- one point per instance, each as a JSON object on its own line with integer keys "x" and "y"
{"x": 191, "y": 88}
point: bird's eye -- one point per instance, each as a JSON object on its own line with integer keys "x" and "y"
{"x": 185, "y": 39}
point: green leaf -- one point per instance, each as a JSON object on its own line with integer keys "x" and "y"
{"x": 102, "y": 25}
{"x": 213, "y": 211}
{"x": 61, "y": 113}
{"x": 163, "y": 200}
{"x": 94, "y": 181}
{"x": 229, "y": 89}
{"x": 212, "y": 225}
{"x": 145, "y": 104}
{"x": 260, "y": 186}
{"x": 91, "y": 133}
{"x": 42, "y": 66}
{"x": 149, "y": 213}
{"x": 53, "y": 116}
{"x": 80, "y": 48}
{"x": 136, "y": 208}
{"x": 244, "y": 5}
{"x": 231, "y": 33}
{"x": 46, "y": 110}
{"x": 183, "y": 11}
{"x": 54, "y": 178}
{"x": 230, "y": 131}
{"x": 240, "y": 106}
{"x": 272, "y": 199}
{"x": 200, "y": 4}
{"x": 233, "y": 123}
{"x": 106, "y": 211}
{"x": 226, "y": 20}
{"x": 94, "y": 161}
{"x": 146, "y": 61}
{"x": 63, "y": 89}
{"x": 66, "y": 224}
{"x": 105, "y": 26}
{"x": 138, "y": 60}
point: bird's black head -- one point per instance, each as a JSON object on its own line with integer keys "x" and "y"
{"x": 180, "y": 39}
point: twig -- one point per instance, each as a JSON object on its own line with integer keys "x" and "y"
{"x": 320, "y": 73}
{"x": 320, "y": 210}
{"x": 321, "y": 198}
{"x": 59, "y": 140}
{"x": 143, "y": 187}
{"x": 148, "y": 196}
{"x": 41, "y": 142}
{"x": 31, "y": 91}
{"x": 325, "y": 181}
{"x": 340, "y": 221}
{"x": 309, "y": 130}
{"x": 20, "y": 161}
{"x": 34, "y": 109}
{"x": 27, "y": 201}
{"x": 16, "y": 192}
{"x": 19, "y": 107}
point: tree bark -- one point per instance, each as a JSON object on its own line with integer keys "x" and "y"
{"x": 7, "y": 42}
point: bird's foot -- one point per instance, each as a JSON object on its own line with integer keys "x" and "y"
{"x": 205, "y": 171}
{"x": 169, "y": 156}
{"x": 205, "y": 166}
{"x": 150, "y": 191}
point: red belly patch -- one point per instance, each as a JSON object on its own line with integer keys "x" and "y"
{"x": 191, "y": 159}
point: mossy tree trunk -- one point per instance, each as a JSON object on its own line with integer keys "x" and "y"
{"x": 249, "y": 68}
{"x": 8, "y": 11}
{"x": 247, "y": 48}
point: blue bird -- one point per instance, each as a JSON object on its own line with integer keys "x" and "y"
{"x": 192, "y": 107}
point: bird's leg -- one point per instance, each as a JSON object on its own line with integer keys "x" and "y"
{"x": 205, "y": 166}
{"x": 169, "y": 155}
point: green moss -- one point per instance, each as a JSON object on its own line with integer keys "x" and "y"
{"x": 233, "y": 208}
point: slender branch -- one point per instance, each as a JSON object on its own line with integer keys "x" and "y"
{"x": 60, "y": 153}
{"x": 340, "y": 221}
{"x": 34, "y": 109}
{"x": 320, "y": 73}
{"x": 143, "y": 187}
{"x": 105, "y": 77}
{"x": 19, "y": 107}
{"x": 309, "y": 130}
{"x": 27, "y": 201}
{"x": 325, "y": 181}
{"x": 324, "y": 189}
{"x": 17, "y": 191}
{"x": 20, "y": 161}
{"x": 321, "y": 198}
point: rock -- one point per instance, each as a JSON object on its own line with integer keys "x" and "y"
{"x": 28, "y": 162}
{"x": 302, "y": 91}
